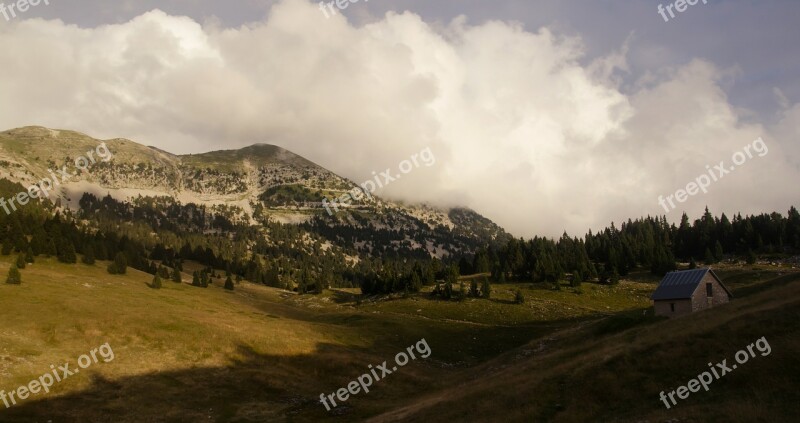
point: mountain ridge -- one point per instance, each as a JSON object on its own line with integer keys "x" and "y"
{"x": 260, "y": 180}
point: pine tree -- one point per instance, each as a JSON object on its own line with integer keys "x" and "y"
{"x": 229, "y": 283}
{"x": 718, "y": 253}
{"x": 14, "y": 277}
{"x": 448, "y": 290}
{"x": 614, "y": 278}
{"x": 119, "y": 266}
{"x": 462, "y": 291}
{"x": 692, "y": 264}
{"x": 21, "y": 261}
{"x": 51, "y": 249}
{"x": 8, "y": 245}
{"x": 196, "y": 279}
{"x": 176, "y": 275}
{"x": 66, "y": 253}
{"x": 751, "y": 257}
{"x": 486, "y": 289}
{"x": 88, "y": 255}
{"x": 416, "y": 282}
{"x": 473, "y": 289}
{"x": 708, "y": 258}
{"x": 577, "y": 279}
{"x": 519, "y": 298}
{"x": 29, "y": 258}
{"x": 156, "y": 281}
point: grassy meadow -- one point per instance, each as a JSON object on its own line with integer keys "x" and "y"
{"x": 258, "y": 354}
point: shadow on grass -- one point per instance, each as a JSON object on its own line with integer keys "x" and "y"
{"x": 256, "y": 387}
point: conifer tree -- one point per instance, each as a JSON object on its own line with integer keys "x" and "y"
{"x": 519, "y": 298}
{"x": 473, "y": 289}
{"x": 176, "y": 275}
{"x": 8, "y": 245}
{"x": 229, "y": 283}
{"x": 66, "y": 252}
{"x": 119, "y": 266}
{"x": 157, "y": 281}
{"x": 577, "y": 279}
{"x": 486, "y": 289}
{"x": 21, "y": 261}
{"x": 29, "y": 258}
{"x": 88, "y": 255}
{"x": 751, "y": 257}
{"x": 14, "y": 277}
{"x": 708, "y": 258}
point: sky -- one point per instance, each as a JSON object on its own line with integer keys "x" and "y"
{"x": 544, "y": 116}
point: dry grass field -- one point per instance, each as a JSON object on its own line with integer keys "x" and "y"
{"x": 260, "y": 354}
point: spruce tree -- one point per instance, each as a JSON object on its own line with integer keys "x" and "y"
{"x": 156, "y": 281}
{"x": 229, "y": 283}
{"x": 119, "y": 266}
{"x": 577, "y": 279}
{"x": 21, "y": 261}
{"x": 14, "y": 277}
{"x": 718, "y": 253}
{"x": 8, "y": 245}
{"x": 614, "y": 279}
{"x": 66, "y": 253}
{"x": 486, "y": 289}
{"x": 29, "y": 258}
{"x": 176, "y": 275}
{"x": 708, "y": 258}
{"x": 473, "y": 289}
{"x": 519, "y": 298}
{"x": 751, "y": 257}
{"x": 88, "y": 255}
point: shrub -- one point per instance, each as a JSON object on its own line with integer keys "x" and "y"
{"x": 519, "y": 298}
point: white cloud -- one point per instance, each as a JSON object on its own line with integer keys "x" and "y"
{"x": 522, "y": 131}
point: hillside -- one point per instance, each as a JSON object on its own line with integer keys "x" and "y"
{"x": 603, "y": 372}
{"x": 261, "y": 354}
{"x": 257, "y": 184}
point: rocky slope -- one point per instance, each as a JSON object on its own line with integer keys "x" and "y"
{"x": 261, "y": 183}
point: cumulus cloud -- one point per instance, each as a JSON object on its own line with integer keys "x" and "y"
{"x": 522, "y": 131}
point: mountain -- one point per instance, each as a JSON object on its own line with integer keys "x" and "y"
{"x": 258, "y": 184}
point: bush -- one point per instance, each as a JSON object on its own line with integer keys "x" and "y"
{"x": 519, "y": 298}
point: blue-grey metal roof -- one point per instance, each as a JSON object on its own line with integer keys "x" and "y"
{"x": 681, "y": 284}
